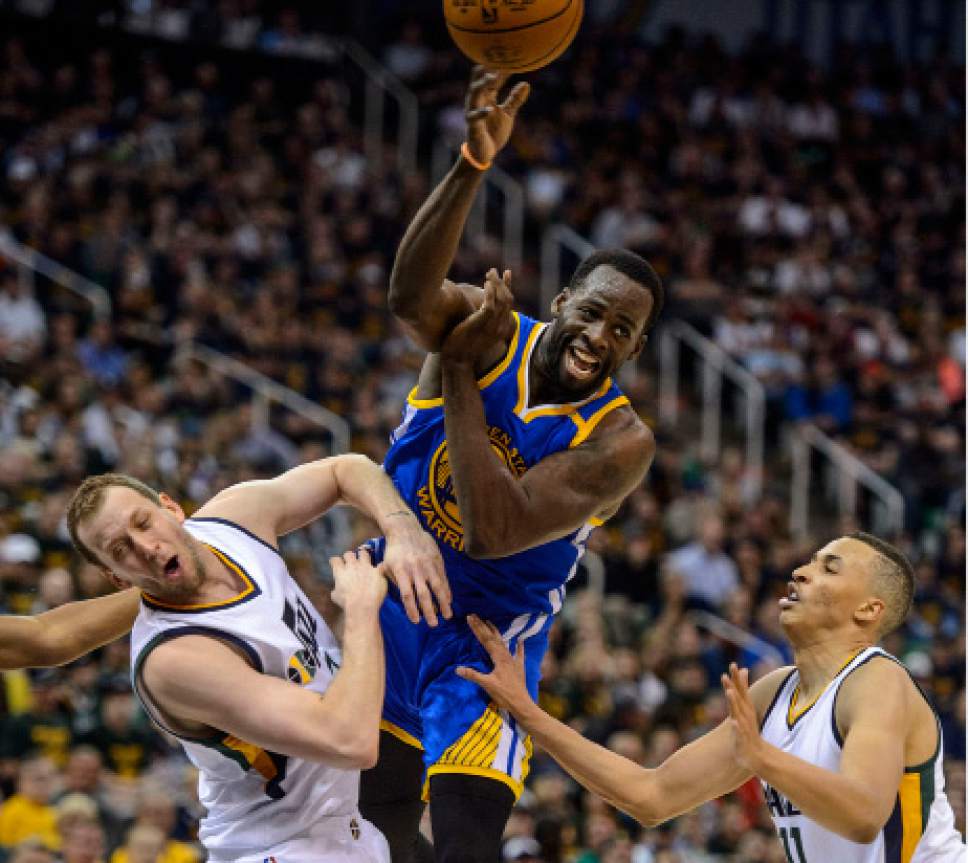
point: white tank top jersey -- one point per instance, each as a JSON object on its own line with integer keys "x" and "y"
{"x": 261, "y": 805}
{"x": 921, "y": 826}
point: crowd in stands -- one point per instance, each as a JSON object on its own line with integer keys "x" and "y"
{"x": 810, "y": 221}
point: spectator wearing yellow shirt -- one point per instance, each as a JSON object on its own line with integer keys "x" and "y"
{"x": 28, "y": 813}
{"x": 145, "y": 844}
{"x": 156, "y": 809}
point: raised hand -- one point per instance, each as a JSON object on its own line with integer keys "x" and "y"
{"x": 489, "y": 124}
{"x": 747, "y": 743}
{"x": 412, "y": 562}
{"x": 360, "y": 586}
{"x": 491, "y": 324}
{"x": 506, "y": 684}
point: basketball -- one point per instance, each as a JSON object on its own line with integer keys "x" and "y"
{"x": 513, "y": 35}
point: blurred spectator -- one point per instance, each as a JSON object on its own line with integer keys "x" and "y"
{"x": 710, "y": 574}
{"x": 28, "y": 813}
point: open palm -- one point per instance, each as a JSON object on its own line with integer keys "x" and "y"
{"x": 489, "y": 124}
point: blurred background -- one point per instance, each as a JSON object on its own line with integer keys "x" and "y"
{"x": 199, "y": 207}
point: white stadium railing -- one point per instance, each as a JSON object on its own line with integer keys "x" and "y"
{"x": 715, "y": 365}
{"x": 31, "y": 263}
{"x": 849, "y": 473}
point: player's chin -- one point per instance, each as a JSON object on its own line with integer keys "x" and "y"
{"x": 578, "y": 385}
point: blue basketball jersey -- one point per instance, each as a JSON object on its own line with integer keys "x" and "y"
{"x": 531, "y": 581}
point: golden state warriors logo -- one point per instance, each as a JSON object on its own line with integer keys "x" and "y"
{"x": 437, "y": 500}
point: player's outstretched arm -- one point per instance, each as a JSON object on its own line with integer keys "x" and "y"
{"x": 67, "y": 632}
{"x": 202, "y": 681}
{"x": 502, "y": 513}
{"x": 701, "y": 771}
{"x": 274, "y": 507}
{"x": 856, "y": 801}
{"x": 420, "y": 296}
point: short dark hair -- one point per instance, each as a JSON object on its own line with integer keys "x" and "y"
{"x": 628, "y": 264}
{"x": 87, "y": 501}
{"x": 896, "y": 579}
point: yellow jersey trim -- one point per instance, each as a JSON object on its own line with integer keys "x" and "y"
{"x": 793, "y": 715}
{"x": 521, "y": 407}
{"x": 909, "y": 793}
{"x": 244, "y": 594}
{"x": 483, "y": 382}
{"x": 400, "y": 734}
{"x": 515, "y": 786}
{"x": 586, "y": 427}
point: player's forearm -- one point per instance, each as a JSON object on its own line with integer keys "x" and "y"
{"x": 364, "y": 485}
{"x": 617, "y": 780}
{"x": 488, "y": 495}
{"x": 67, "y": 632}
{"x": 840, "y": 803}
{"x": 354, "y": 701}
{"x": 430, "y": 242}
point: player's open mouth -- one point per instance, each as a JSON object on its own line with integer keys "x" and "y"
{"x": 581, "y": 364}
{"x": 171, "y": 567}
{"x": 791, "y": 597}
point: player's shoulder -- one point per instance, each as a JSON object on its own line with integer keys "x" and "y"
{"x": 625, "y": 432}
{"x": 242, "y": 506}
{"x": 880, "y": 679}
{"x": 765, "y": 691}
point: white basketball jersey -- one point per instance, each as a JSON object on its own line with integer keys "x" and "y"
{"x": 921, "y": 827}
{"x": 259, "y": 802}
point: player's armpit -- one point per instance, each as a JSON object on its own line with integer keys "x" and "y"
{"x": 567, "y": 489}
{"x": 203, "y": 682}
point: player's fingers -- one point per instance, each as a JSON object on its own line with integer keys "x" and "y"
{"x": 478, "y": 113}
{"x": 441, "y": 592}
{"x": 426, "y": 602}
{"x": 519, "y": 651}
{"x": 406, "y": 596}
{"x": 470, "y": 674}
{"x": 516, "y": 98}
{"x": 336, "y": 564}
{"x": 479, "y": 629}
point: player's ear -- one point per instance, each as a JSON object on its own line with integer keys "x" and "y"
{"x": 640, "y": 345}
{"x": 169, "y": 503}
{"x": 560, "y": 300}
{"x": 870, "y": 611}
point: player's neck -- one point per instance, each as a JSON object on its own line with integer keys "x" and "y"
{"x": 219, "y": 581}
{"x": 819, "y": 662}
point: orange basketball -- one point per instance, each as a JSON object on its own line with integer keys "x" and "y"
{"x": 513, "y": 35}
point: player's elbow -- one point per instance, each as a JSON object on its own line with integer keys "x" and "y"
{"x": 864, "y": 829}
{"x": 481, "y": 546}
{"x": 354, "y": 746}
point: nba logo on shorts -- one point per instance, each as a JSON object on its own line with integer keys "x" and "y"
{"x": 355, "y": 828}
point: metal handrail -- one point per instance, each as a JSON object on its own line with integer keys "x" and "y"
{"x": 267, "y": 390}
{"x": 716, "y": 364}
{"x": 554, "y": 238}
{"x": 735, "y": 635}
{"x": 29, "y": 262}
{"x": 381, "y": 82}
{"x": 851, "y": 472}
{"x": 499, "y": 180}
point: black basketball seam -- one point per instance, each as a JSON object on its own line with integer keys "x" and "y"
{"x": 569, "y": 35}
{"x": 557, "y": 14}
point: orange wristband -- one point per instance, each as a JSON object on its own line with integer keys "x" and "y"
{"x": 465, "y": 151}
